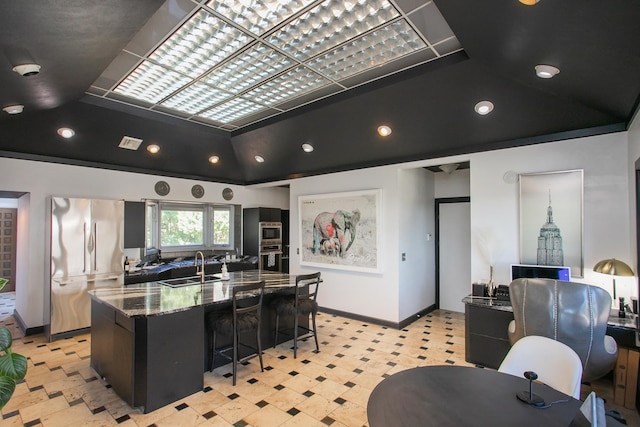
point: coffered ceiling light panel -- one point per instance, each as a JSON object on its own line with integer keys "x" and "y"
{"x": 232, "y": 110}
{"x": 195, "y": 98}
{"x": 250, "y": 67}
{"x": 229, "y": 63}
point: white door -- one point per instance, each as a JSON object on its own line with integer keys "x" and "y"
{"x": 455, "y": 254}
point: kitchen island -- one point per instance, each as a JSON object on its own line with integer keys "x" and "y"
{"x": 149, "y": 340}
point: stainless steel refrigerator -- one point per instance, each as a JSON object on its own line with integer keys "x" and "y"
{"x": 86, "y": 253}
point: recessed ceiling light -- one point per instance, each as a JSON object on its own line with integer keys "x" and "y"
{"x": 259, "y": 159}
{"x": 153, "y": 148}
{"x": 214, "y": 159}
{"x": 27, "y": 70}
{"x": 307, "y": 148}
{"x": 484, "y": 107}
{"x": 529, "y": 2}
{"x": 14, "y": 109}
{"x": 546, "y": 71}
{"x": 66, "y": 132}
{"x": 384, "y": 130}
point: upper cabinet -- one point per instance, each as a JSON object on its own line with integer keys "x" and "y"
{"x": 134, "y": 225}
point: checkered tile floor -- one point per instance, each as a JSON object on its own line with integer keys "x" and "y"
{"x": 329, "y": 388}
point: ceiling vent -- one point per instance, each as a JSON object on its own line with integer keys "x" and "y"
{"x": 130, "y": 143}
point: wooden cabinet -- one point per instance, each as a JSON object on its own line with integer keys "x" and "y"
{"x": 626, "y": 377}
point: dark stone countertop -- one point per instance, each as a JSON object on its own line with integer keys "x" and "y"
{"x": 171, "y": 295}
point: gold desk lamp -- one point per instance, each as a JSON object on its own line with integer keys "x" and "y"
{"x": 613, "y": 267}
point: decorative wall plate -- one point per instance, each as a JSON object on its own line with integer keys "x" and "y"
{"x": 162, "y": 188}
{"x": 197, "y": 191}
{"x": 227, "y": 194}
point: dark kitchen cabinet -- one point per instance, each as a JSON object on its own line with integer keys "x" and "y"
{"x": 134, "y": 224}
{"x": 149, "y": 361}
{"x": 251, "y": 219}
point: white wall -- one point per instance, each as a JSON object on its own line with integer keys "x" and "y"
{"x": 416, "y": 220}
{"x": 494, "y": 216}
{"x": 455, "y": 184}
{"x": 43, "y": 180}
{"x": 494, "y": 203}
{"x": 634, "y": 154}
{"x": 367, "y": 294}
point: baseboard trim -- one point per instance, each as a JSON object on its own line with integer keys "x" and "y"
{"x": 416, "y": 316}
{"x": 23, "y": 327}
{"x": 376, "y": 321}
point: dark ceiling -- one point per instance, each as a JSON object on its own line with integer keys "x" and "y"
{"x": 595, "y": 44}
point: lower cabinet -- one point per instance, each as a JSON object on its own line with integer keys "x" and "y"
{"x": 149, "y": 361}
{"x": 486, "y": 335}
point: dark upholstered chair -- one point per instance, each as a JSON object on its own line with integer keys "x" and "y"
{"x": 575, "y": 314}
{"x": 301, "y": 303}
{"x": 245, "y": 316}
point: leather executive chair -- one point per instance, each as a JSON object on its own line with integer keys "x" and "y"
{"x": 573, "y": 313}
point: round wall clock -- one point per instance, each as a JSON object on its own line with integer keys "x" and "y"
{"x": 197, "y": 191}
{"x": 162, "y": 188}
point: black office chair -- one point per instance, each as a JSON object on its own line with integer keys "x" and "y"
{"x": 245, "y": 316}
{"x": 301, "y": 303}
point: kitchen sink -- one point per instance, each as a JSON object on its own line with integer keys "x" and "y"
{"x": 188, "y": 281}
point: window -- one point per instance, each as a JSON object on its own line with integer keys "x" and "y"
{"x": 181, "y": 226}
{"x": 176, "y": 226}
{"x": 221, "y": 226}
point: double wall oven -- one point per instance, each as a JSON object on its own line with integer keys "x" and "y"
{"x": 270, "y": 246}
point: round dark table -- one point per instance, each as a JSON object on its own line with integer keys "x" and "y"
{"x": 463, "y": 396}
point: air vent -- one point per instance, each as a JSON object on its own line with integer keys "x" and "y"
{"x": 130, "y": 143}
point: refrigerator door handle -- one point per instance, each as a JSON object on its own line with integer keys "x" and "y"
{"x": 95, "y": 279}
{"x": 95, "y": 246}
{"x": 84, "y": 249}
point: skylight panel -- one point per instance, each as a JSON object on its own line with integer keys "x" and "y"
{"x": 196, "y": 98}
{"x": 232, "y": 110}
{"x": 201, "y": 43}
{"x": 247, "y": 69}
{"x": 331, "y": 23}
{"x": 289, "y": 85}
{"x": 258, "y": 16}
{"x": 371, "y": 50}
{"x": 150, "y": 82}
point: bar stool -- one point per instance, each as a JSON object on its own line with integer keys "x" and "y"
{"x": 245, "y": 316}
{"x": 302, "y": 303}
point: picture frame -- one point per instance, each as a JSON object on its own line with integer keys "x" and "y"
{"x": 551, "y": 219}
{"x": 341, "y": 230}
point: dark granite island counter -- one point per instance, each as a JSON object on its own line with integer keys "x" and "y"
{"x": 148, "y": 340}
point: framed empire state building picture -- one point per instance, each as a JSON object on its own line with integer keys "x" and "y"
{"x": 551, "y": 216}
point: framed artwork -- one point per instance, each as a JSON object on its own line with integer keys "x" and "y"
{"x": 341, "y": 230}
{"x": 551, "y": 219}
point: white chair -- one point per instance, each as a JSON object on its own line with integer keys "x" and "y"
{"x": 556, "y": 364}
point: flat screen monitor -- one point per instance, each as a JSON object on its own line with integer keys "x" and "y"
{"x": 540, "y": 271}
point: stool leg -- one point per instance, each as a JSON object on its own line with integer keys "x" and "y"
{"x": 212, "y": 348}
{"x": 235, "y": 355}
{"x": 295, "y": 336}
{"x": 259, "y": 347}
{"x": 275, "y": 339}
{"x": 315, "y": 330}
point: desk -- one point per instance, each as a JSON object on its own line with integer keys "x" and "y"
{"x": 487, "y": 339}
{"x": 463, "y": 396}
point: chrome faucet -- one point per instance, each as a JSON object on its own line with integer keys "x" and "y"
{"x": 199, "y": 268}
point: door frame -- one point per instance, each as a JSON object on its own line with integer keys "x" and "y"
{"x": 438, "y": 202}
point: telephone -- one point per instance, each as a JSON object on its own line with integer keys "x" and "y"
{"x": 502, "y": 293}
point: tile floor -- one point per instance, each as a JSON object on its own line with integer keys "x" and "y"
{"x": 330, "y": 388}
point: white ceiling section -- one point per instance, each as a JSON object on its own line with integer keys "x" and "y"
{"x": 231, "y": 63}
